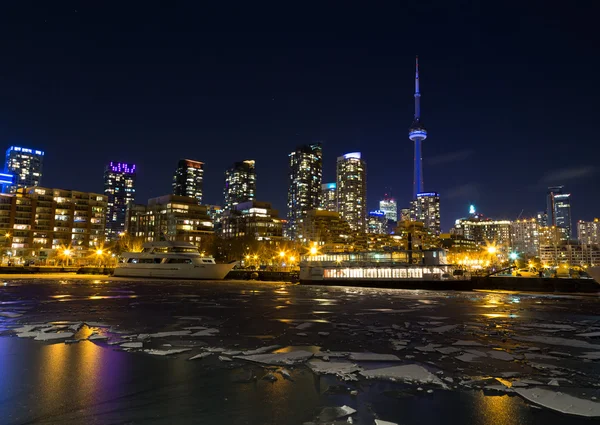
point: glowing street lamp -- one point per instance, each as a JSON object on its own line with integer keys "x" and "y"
{"x": 492, "y": 250}
{"x": 292, "y": 259}
{"x": 67, "y": 252}
{"x": 313, "y": 250}
{"x": 282, "y": 254}
{"x": 99, "y": 252}
{"x": 513, "y": 256}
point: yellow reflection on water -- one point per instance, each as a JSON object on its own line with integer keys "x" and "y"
{"x": 54, "y": 365}
{"x": 87, "y": 367}
{"x": 496, "y": 410}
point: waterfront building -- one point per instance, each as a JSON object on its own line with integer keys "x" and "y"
{"x": 119, "y": 188}
{"x": 327, "y": 228}
{"x": 377, "y": 222}
{"x": 426, "y": 209}
{"x": 525, "y": 237}
{"x": 457, "y": 244}
{"x": 188, "y": 179}
{"x": 483, "y": 230}
{"x": 171, "y": 218}
{"x": 588, "y": 232}
{"x": 240, "y": 183}
{"x": 570, "y": 253}
{"x": 405, "y": 214}
{"x": 305, "y": 179}
{"x": 37, "y": 217}
{"x": 252, "y": 219}
{"x": 558, "y": 209}
{"x": 352, "y": 190}
{"x": 329, "y": 197}
{"x": 23, "y": 168}
{"x": 389, "y": 206}
{"x": 542, "y": 219}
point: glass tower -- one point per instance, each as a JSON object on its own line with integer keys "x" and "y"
{"x": 389, "y": 207}
{"x": 240, "y": 184}
{"x": 329, "y": 197}
{"x": 188, "y": 179}
{"x": 426, "y": 209}
{"x": 119, "y": 188}
{"x": 559, "y": 209}
{"x": 352, "y": 190}
{"x": 304, "y": 194}
{"x": 25, "y": 165}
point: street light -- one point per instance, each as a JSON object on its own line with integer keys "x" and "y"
{"x": 492, "y": 250}
{"x": 292, "y": 259}
{"x": 513, "y": 256}
{"x": 282, "y": 254}
{"x": 313, "y": 250}
{"x": 99, "y": 252}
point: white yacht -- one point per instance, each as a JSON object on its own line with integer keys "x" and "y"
{"x": 171, "y": 260}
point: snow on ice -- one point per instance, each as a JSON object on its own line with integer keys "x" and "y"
{"x": 560, "y": 402}
{"x": 406, "y": 373}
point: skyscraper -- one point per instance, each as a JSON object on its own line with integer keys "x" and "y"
{"x": 525, "y": 237}
{"x": 188, "y": 179}
{"x": 377, "y": 222}
{"x": 26, "y": 167}
{"x": 352, "y": 190}
{"x": 305, "y": 177}
{"x": 426, "y": 209}
{"x": 417, "y": 134}
{"x": 588, "y": 232}
{"x": 389, "y": 207}
{"x": 119, "y": 188}
{"x": 240, "y": 183}
{"x": 559, "y": 209}
{"x": 329, "y": 197}
{"x": 405, "y": 214}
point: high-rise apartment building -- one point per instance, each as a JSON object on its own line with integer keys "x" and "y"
{"x": 542, "y": 219}
{"x": 305, "y": 178}
{"x": 240, "y": 183}
{"x": 172, "y": 218}
{"x": 525, "y": 237}
{"x": 329, "y": 197}
{"x": 326, "y": 228}
{"x": 483, "y": 230}
{"x": 588, "y": 232}
{"x": 25, "y": 165}
{"x": 558, "y": 209}
{"x": 119, "y": 188}
{"x": 377, "y": 222}
{"x": 426, "y": 209}
{"x": 37, "y": 217}
{"x": 188, "y": 179}
{"x": 252, "y": 219}
{"x": 389, "y": 206}
{"x": 405, "y": 214}
{"x": 352, "y": 190}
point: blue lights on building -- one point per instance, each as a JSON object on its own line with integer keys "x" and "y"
{"x": 417, "y": 134}
{"x": 331, "y": 185}
{"x": 25, "y": 165}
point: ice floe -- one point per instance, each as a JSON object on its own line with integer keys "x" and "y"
{"x": 291, "y": 357}
{"x": 407, "y": 373}
{"x": 500, "y": 355}
{"x": 560, "y": 402}
{"x": 551, "y": 340}
{"x": 10, "y": 314}
{"x": 200, "y": 356}
{"x": 305, "y": 325}
{"x": 43, "y": 336}
{"x": 158, "y": 352}
{"x": 132, "y": 345}
{"x": 261, "y": 350}
{"x": 206, "y": 332}
{"x": 442, "y": 329}
{"x": 589, "y": 334}
{"x": 329, "y": 414}
{"x": 333, "y": 368}
{"x": 172, "y": 333}
{"x": 461, "y": 343}
{"x": 380, "y": 422}
{"x": 373, "y": 357}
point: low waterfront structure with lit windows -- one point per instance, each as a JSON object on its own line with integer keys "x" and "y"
{"x": 382, "y": 267}
{"x": 253, "y": 219}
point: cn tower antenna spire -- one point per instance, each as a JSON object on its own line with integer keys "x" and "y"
{"x": 417, "y": 91}
{"x": 417, "y": 134}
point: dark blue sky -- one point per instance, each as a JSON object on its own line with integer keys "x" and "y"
{"x": 509, "y": 96}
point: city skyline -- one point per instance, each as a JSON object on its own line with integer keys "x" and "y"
{"x": 480, "y": 149}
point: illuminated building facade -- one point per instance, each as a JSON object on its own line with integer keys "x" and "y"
{"x": 305, "y": 178}
{"x": 542, "y": 219}
{"x": 171, "y": 218}
{"x": 188, "y": 179}
{"x": 253, "y": 219}
{"x": 426, "y": 209}
{"x": 483, "y": 230}
{"x": 37, "y": 217}
{"x": 570, "y": 253}
{"x": 329, "y": 197}
{"x": 25, "y": 166}
{"x": 525, "y": 237}
{"x": 559, "y": 209}
{"x": 588, "y": 232}
{"x": 240, "y": 183}
{"x": 377, "y": 222}
{"x": 352, "y": 190}
{"x": 326, "y": 228}
{"x": 405, "y": 214}
{"x": 119, "y": 188}
{"x": 389, "y": 206}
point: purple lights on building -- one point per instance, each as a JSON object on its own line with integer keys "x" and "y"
{"x": 121, "y": 167}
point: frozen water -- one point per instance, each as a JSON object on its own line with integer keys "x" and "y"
{"x": 560, "y": 402}
{"x": 200, "y": 356}
{"x": 447, "y": 350}
{"x": 500, "y": 355}
{"x": 551, "y": 326}
{"x": 225, "y": 359}
{"x": 324, "y": 333}
{"x": 261, "y": 350}
{"x": 42, "y": 336}
{"x": 430, "y": 348}
{"x": 97, "y": 325}
{"x": 189, "y": 318}
{"x": 97, "y": 337}
{"x": 468, "y": 357}
{"x": 373, "y": 357}
{"x": 132, "y": 345}
{"x": 286, "y": 374}
{"x": 406, "y": 373}
{"x": 173, "y": 333}
{"x": 329, "y": 414}
{"x": 443, "y": 329}
{"x": 589, "y": 334}
{"x": 333, "y": 368}
{"x": 380, "y": 422}
{"x": 303, "y": 326}
{"x": 278, "y": 358}
{"x": 206, "y": 332}
{"x": 467, "y": 344}
{"x": 550, "y": 340}
{"x": 157, "y": 352}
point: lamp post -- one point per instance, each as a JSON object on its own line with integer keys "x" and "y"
{"x": 99, "y": 253}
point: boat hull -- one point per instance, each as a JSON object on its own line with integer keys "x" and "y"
{"x": 175, "y": 271}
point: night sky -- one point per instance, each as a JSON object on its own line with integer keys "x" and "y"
{"x": 509, "y": 96}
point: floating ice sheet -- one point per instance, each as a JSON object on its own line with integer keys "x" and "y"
{"x": 407, "y": 373}
{"x": 132, "y": 345}
{"x": 261, "y": 350}
{"x": 380, "y": 422}
{"x": 333, "y": 368}
{"x": 552, "y": 340}
{"x": 43, "y": 336}
{"x": 560, "y": 402}
{"x": 206, "y": 332}
{"x": 462, "y": 343}
{"x": 373, "y": 357}
{"x": 442, "y": 329}
{"x": 10, "y": 314}
{"x": 278, "y": 358}
{"x": 172, "y": 333}
{"x": 200, "y": 356}
{"x": 157, "y": 352}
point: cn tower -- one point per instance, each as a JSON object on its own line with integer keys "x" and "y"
{"x": 417, "y": 134}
